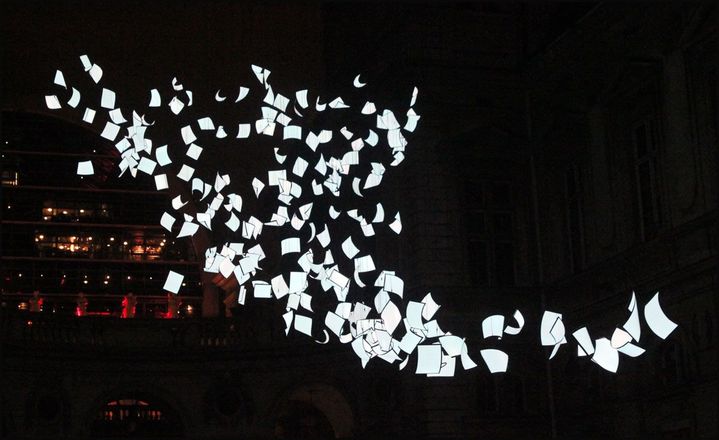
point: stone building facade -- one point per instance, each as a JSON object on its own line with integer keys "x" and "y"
{"x": 552, "y": 171}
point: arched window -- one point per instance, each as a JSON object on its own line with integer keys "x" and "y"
{"x": 133, "y": 416}
{"x": 302, "y": 420}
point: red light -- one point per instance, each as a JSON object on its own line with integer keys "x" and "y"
{"x": 29, "y": 323}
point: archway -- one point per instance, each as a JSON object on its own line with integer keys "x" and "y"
{"x": 136, "y": 415}
{"x": 314, "y": 411}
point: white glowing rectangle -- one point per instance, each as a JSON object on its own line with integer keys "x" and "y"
{"x": 162, "y": 157}
{"x": 176, "y": 105}
{"x": 312, "y": 141}
{"x": 110, "y": 131}
{"x": 206, "y": 123}
{"x": 392, "y": 317}
{"x": 186, "y": 173}
{"x": 334, "y": 323}
{"x": 631, "y": 350}
{"x": 262, "y": 289}
{"x": 227, "y": 268}
{"x": 59, "y": 79}
{"x": 257, "y": 186}
{"x": 233, "y": 223}
{"x": 298, "y": 282}
{"x": 173, "y": 282}
{"x": 496, "y": 360}
{"x": 430, "y": 307}
{"x": 52, "y": 102}
{"x": 632, "y": 325}
{"x": 452, "y": 345}
{"x": 243, "y": 131}
{"x": 584, "y": 340}
{"x": 656, "y": 319}
{"x": 279, "y": 286}
{"x": 493, "y": 326}
{"x": 368, "y": 108}
{"x": 194, "y": 151}
{"x": 116, "y": 116}
{"x": 292, "y": 132}
{"x": 394, "y": 284}
{"x": 283, "y": 119}
{"x": 364, "y": 264}
{"x": 95, "y": 73}
{"x": 155, "y": 100}
{"x": 161, "y": 182}
{"x": 89, "y": 115}
{"x": 300, "y": 167}
{"x": 605, "y": 356}
{"x": 242, "y": 295}
{"x": 302, "y": 98}
{"x": 188, "y": 229}
{"x": 108, "y": 99}
{"x": 338, "y": 279}
{"x": 147, "y": 166}
{"x": 167, "y": 221}
{"x": 409, "y": 342}
{"x": 324, "y": 237}
{"x": 414, "y": 315}
{"x": 188, "y": 136}
{"x": 85, "y": 168}
{"x": 177, "y": 203}
{"x": 274, "y": 177}
{"x": 290, "y": 245}
{"x": 429, "y": 359}
{"x": 349, "y": 248}
{"x": 74, "y": 98}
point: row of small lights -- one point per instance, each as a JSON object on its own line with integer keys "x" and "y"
{"x": 74, "y": 238}
{"x": 106, "y": 281}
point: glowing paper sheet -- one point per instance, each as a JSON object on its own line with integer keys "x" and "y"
{"x": 85, "y": 168}
{"x": 496, "y": 360}
{"x": 657, "y": 321}
{"x": 173, "y": 282}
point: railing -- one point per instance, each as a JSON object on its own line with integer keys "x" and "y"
{"x": 27, "y": 332}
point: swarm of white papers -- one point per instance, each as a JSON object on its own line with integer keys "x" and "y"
{"x": 605, "y": 351}
{"x": 313, "y": 164}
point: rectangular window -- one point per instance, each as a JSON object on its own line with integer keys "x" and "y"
{"x": 645, "y": 168}
{"x": 575, "y": 220}
{"x": 488, "y": 219}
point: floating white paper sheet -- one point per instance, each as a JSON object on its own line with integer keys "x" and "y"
{"x": 155, "y": 100}
{"x": 429, "y": 359}
{"x": 496, "y": 360}
{"x": 52, "y": 102}
{"x": 108, "y": 99}
{"x": 605, "y": 356}
{"x": 657, "y": 321}
{"x": 173, "y": 282}
{"x": 74, "y": 99}
{"x": 167, "y": 221}
{"x": 161, "y": 182}
{"x": 85, "y": 168}
{"x": 89, "y": 115}
{"x": 493, "y": 326}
